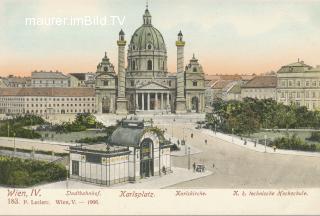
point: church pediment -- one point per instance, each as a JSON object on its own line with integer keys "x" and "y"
{"x": 152, "y": 85}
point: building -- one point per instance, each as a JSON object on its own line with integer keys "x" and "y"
{"x": 84, "y": 79}
{"x": 132, "y": 152}
{"x": 299, "y": 83}
{"x": 16, "y": 82}
{"x": 44, "y": 101}
{"x": 260, "y": 87}
{"x": 49, "y": 79}
{"x": 234, "y": 92}
{"x": 145, "y": 84}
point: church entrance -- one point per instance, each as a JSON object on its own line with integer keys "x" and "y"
{"x": 105, "y": 105}
{"x": 195, "y": 104}
{"x": 146, "y": 162}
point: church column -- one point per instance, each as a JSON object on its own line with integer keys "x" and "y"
{"x": 180, "y": 100}
{"x": 148, "y": 101}
{"x": 161, "y": 103}
{"x": 142, "y": 95}
{"x": 156, "y": 101}
{"x": 122, "y": 102}
{"x": 137, "y": 101}
{"x": 168, "y": 103}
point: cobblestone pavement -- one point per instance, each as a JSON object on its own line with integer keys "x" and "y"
{"x": 236, "y": 166}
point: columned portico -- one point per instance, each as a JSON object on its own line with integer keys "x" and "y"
{"x": 150, "y": 101}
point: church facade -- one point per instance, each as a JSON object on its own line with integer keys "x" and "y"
{"x": 144, "y": 84}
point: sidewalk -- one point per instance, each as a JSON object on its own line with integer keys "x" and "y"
{"x": 183, "y": 148}
{"x": 259, "y": 148}
{"x": 157, "y": 182}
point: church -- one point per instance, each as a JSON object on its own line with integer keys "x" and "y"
{"x": 144, "y": 85}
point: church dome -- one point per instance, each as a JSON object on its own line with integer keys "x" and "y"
{"x": 147, "y": 37}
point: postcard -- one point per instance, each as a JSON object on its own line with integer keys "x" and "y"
{"x": 152, "y": 107}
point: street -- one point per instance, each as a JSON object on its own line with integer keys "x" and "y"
{"x": 238, "y": 167}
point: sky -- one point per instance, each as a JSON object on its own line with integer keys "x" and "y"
{"x": 228, "y": 37}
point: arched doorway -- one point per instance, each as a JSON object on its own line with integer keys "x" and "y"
{"x": 105, "y": 105}
{"x": 146, "y": 158}
{"x": 195, "y": 104}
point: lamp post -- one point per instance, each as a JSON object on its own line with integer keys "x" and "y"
{"x": 215, "y": 129}
{"x": 232, "y": 135}
{"x": 8, "y": 130}
{"x": 265, "y": 143}
{"x": 14, "y": 143}
{"x": 189, "y": 161}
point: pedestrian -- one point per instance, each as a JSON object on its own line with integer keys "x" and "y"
{"x": 245, "y": 142}
{"x": 205, "y": 141}
{"x": 212, "y": 165}
{"x": 191, "y": 135}
{"x": 274, "y": 148}
{"x": 178, "y": 142}
{"x": 255, "y": 143}
{"x": 194, "y": 166}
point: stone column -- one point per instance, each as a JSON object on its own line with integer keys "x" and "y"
{"x": 156, "y": 101}
{"x": 142, "y": 95}
{"x": 168, "y": 102}
{"x": 137, "y": 101}
{"x": 161, "y": 103}
{"x": 148, "y": 101}
{"x": 122, "y": 102}
{"x": 181, "y": 100}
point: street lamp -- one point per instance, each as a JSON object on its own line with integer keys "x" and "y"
{"x": 189, "y": 161}
{"x": 265, "y": 143}
{"x": 14, "y": 143}
{"x": 232, "y": 135}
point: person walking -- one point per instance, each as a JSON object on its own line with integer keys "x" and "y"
{"x": 194, "y": 166}
{"x": 205, "y": 141}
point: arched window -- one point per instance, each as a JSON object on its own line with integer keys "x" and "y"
{"x": 133, "y": 65}
{"x": 149, "y": 47}
{"x": 149, "y": 65}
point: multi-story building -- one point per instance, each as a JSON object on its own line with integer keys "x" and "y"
{"x": 49, "y": 79}
{"x": 44, "y": 101}
{"x": 15, "y": 82}
{"x": 299, "y": 83}
{"x": 84, "y": 79}
{"x": 260, "y": 87}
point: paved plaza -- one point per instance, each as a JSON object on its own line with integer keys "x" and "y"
{"x": 237, "y": 166}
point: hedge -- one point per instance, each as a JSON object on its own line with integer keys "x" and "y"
{"x": 16, "y": 172}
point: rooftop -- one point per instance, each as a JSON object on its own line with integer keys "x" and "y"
{"x": 48, "y": 92}
{"x": 48, "y": 75}
{"x": 262, "y": 82}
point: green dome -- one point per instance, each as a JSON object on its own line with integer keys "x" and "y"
{"x": 147, "y": 37}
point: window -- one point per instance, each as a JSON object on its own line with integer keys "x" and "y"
{"x": 149, "y": 47}
{"x": 132, "y": 82}
{"x": 194, "y": 83}
{"x": 298, "y": 83}
{"x": 314, "y": 83}
{"x": 290, "y": 83}
{"x": 170, "y": 83}
{"x": 105, "y": 69}
{"x": 307, "y": 83}
{"x": 133, "y": 65}
{"x": 149, "y": 65}
{"x": 105, "y": 83}
{"x": 194, "y": 69}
